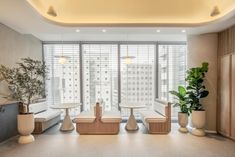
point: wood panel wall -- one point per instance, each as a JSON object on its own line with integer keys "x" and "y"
{"x": 226, "y": 41}
{"x": 224, "y": 120}
{"x": 226, "y": 83}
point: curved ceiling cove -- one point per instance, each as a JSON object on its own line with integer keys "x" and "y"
{"x": 132, "y": 12}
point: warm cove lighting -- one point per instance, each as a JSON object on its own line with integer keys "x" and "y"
{"x": 154, "y": 13}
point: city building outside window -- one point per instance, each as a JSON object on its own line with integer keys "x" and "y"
{"x": 153, "y": 72}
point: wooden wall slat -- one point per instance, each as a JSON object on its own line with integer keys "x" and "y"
{"x": 226, "y": 41}
{"x": 226, "y": 83}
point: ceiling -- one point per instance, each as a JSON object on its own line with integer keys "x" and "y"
{"x": 132, "y": 12}
{"x": 22, "y": 17}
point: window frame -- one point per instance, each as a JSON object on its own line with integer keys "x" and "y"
{"x": 118, "y": 43}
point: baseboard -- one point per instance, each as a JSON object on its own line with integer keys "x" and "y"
{"x": 207, "y": 131}
{"x": 211, "y": 131}
{"x": 9, "y": 139}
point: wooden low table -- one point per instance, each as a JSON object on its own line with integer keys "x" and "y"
{"x": 131, "y": 123}
{"x": 67, "y": 124}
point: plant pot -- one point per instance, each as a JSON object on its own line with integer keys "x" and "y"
{"x": 198, "y": 121}
{"x": 183, "y": 122}
{"x": 25, "y": 127}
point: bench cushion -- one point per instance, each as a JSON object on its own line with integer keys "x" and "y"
{"x": 152, "y": 117}
{"x": 111, "y": 117}
{"x": 85, "y": 117}
{"x": 38, "y": 107}
{"x": 46, "y": 115}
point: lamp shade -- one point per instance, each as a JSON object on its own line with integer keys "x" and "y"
{"x": 62, "y": 60}
{"x": 127, "y": 59}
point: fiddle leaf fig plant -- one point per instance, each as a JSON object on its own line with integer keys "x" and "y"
{"x": 196, "y": 88}
{"x": 26, "y": 81}
{"x": 182, "y": 99}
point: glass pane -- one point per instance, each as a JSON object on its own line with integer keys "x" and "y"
{"x": 172, "y": 70}
{"x": 100, "y": 75}
{"x": 63, "y": 81}
{"x": 137, "y": 75}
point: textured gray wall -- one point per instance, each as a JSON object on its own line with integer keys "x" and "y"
{"x": 14, "y": 46}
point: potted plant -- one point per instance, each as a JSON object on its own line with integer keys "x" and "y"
{"x": 197, "y": 91}
{"x": 26, "y": 82}
{"x": 182, "y": 103}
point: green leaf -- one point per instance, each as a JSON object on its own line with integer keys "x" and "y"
{"x": 205, "y": 66}
{"x": 174, "y": 93}
{"x": 196, "y": 88}
{"x": 204, "y": 94}
{"x": 182, "y": 91}
{"x": 25, "y": 81}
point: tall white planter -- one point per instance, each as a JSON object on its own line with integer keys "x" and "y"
{"x": 25, "y": 128}
{"x": 199, "y": 121}
{"x": 183, "y": 122}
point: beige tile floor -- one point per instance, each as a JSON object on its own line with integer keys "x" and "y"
{"x": 53, "y": 143}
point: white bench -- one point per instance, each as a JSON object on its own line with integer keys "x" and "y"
{"x": 44, "y": 117}
{"x": 157, "y": 121}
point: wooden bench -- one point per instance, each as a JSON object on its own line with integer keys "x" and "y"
{"x": 157, "y": 121}
{"x": 97, "y": 122}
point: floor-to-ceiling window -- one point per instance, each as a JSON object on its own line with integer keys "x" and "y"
{"x": 171, "y": 70}
{"x": 153, "y": 70}
{"x": 100, "y": 75}
{"x": 63, "y": 78}
{"x": 138, "y": 74}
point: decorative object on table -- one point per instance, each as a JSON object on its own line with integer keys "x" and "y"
{"x": 197, "y": 91}
{"x": 26, "y": 82}
{"x": 182, "y": 103}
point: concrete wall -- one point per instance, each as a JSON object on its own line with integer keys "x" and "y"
{"x": 14, "y": 46}
{"x": 204, "y": 48}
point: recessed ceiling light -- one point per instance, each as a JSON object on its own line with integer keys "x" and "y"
{"x": 183, "y": 31}
{"x": 158, "y": 30}
{"x": 103, "y": 30}
{"x": 77, "y": 30}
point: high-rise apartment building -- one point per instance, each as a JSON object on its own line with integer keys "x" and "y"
{"x": 100, "y": 76}
{"x": 137, "y": 85}
{"x": 172, "y": 70}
